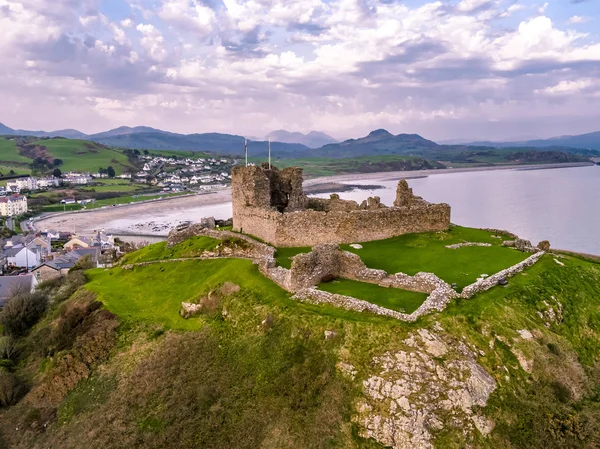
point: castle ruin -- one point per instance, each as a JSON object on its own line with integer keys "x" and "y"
{"x": 270, "y": 204}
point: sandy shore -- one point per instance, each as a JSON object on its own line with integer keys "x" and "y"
{"x": 158, "y": 217}
{"x": 150, "y": 215}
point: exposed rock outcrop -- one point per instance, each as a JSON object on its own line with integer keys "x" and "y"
{"x": 416, "y": 389}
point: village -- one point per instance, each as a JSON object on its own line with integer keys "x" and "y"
{"x": 27, "y": 260}
{"x": 169, "y": 173}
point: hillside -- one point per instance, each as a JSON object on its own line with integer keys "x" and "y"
{"x": 113, "y": 364}
{"x": 381, "y": 142}
{"x": 585, "y": 141}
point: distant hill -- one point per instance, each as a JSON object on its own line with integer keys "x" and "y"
{"x": 209, "y": 142}
{"x": 378, "y": 143}
{"x": 314, "y": 139}
{"x": 67, "y": 133}
{"x": 585, "y": 141}
{"x": 126, "y": 130}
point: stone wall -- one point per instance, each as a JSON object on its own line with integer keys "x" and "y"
{"x": 271, "y": 205}
{"x": 485, "y": 284}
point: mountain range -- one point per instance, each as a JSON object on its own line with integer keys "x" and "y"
{"x": 285, "y": 144}
{"x": 588, "y": 140}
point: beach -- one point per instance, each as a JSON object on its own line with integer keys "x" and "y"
{"x": 159, "y": 216}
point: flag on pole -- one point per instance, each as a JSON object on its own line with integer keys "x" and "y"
{"x": 246, "y": 150}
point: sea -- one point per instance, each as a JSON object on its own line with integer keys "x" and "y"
{"x": 561, "y": 205}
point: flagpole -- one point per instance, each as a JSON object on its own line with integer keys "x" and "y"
{"x": 269, "y": 153}
{"x": 246, "y": 150}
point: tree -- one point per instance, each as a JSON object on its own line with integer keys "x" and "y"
{"x": 57, "y": 173}
{"x": 146, "y": 152}
{"x": 12, "y": 172}
{"x": 57, "y": 162}
{"x": 136, "y": 152}
{"x": 110, "y": 171}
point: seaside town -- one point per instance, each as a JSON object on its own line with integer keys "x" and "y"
{"x": 39, "y": 256}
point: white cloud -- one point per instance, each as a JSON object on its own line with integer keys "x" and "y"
{"x": 567, "y": 87}
{"x": 192, "y": 15}
{"x": 127, "y": 23}
{"x": 578, "y": 19}
{"x": 343, "y": 66}
{"x": 152, "y": 41}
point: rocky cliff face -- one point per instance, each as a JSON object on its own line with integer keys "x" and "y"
{"x": 417, "y": 390}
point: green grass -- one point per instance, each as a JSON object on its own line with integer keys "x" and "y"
{"x": 18, "y": 169}
{"x": 191, "y": 247}
{"x": 81, "y": 155}
{"x": 390, "y": 298}
{"x": 115, "y": 185}
{"x": 154, "y": 293}
{"x": 283, "y": 256}
{"x": 427, "y": 252}
{"x": 10, "y": 153}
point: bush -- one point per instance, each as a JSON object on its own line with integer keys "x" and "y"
{"x": 11, "y": 389}
{"x": 8, "y": 348}
{"x": 21, "y": 312}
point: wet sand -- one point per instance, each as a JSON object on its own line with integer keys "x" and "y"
{"x": 158, "y": 217}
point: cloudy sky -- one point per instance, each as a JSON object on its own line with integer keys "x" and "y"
{"x": 494, "y": 69}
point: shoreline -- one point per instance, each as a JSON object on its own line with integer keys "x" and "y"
{"x": 414, "y": 174}
{"x": 158, "y": 219}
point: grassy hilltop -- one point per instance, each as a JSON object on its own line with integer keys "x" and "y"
{"x": 113, "y": 364}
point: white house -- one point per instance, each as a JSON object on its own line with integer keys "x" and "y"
{"x": 48, "y": 182}
{"x": 13, "y": 205}
{"x": 22, "y": 184}
{"x": 21, "y": 256}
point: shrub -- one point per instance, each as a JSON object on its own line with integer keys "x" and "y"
{"x": 11, "y": 389}
{"x": 8, "y": 348}
{"x": 21, "y": 312}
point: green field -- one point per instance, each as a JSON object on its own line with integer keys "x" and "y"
{"x": 427, "y": 252}
{"x": 192, "y": 247}
{"x": 115, "y": 185}
{"x": 10, "y": 153}
{"x": 390, "y": 298}
{"x": 84, "y": 156}
{"x": 136, "y": 294}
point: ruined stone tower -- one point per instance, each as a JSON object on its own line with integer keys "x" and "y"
{"x": 270, "y": 204}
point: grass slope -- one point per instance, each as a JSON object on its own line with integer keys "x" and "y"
{"x": 391, "y": 298}
{"x": 10, "y": 153}
{"x": 82, "y": 155}
{"x": 258, "y": 372}
{"x": 192, "y": 247}
{"x": 154, "y": 293}
{"x": 427, "y": 252}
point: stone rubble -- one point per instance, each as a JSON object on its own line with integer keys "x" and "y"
{"x": 460, "y": 245}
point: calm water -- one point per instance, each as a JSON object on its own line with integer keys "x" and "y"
{"x": 559, "y": 205}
